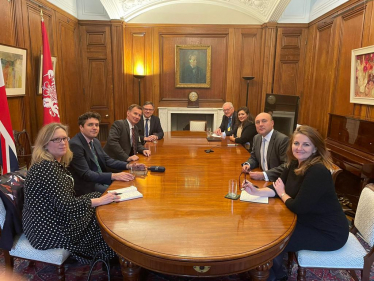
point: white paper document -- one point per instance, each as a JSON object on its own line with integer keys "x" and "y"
{"x": 215, "y": 136}
{"x": 245, "y": 196}
{"x": 127, "y": 193}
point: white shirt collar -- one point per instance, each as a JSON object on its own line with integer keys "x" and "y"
{"x": 268, "y": 136}
{"x": 130, "y": 125}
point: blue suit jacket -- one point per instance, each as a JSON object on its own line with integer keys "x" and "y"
{"x": 83, "y": 166}
{"x": 155, "y": 128}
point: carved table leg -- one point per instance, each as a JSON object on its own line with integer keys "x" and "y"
{"x": 261, "y": 272}
{"x": 130, "y": 271}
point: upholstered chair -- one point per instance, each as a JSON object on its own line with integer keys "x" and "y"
{"x": 22, "y": 249}
{"x": 352, "y": 256}
{"x": 198, "y": 126}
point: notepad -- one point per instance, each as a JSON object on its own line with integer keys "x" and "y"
{"x": 216, "y": 136}
{"x": 245, "y": 196}
{"x": 127, "y": 193}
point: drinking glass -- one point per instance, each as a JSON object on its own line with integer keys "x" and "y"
{"x": 209, "y": 132}
{"x": 233, "y": 188}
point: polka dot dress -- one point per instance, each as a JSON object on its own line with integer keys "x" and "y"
{"x": 54, "y": 218}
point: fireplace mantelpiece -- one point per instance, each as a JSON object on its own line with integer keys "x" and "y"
{"x": 164, "y": 114}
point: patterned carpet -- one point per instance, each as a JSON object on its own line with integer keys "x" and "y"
{"x": 77, "y": 272}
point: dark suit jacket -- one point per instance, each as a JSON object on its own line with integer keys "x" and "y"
{"x": 248, "y": 133}
{"x": 225, "y": 122}
{"x": 188, "y": 76}
{"x": 276, "y": 156}
{"x": 155, "y": 128}
{"x": 84, "y": 169}
{"x": 118, "y": 145}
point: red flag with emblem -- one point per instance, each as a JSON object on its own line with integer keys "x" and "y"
{"x": 50, "y": 104}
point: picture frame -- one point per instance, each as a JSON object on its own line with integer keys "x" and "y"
{"x": 54, "y": 62}
{"x": 193, "y": 66}
{"x": 13, "y": 61}
{"x": 362, "y": 76}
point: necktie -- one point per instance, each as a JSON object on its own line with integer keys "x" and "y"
{"x": 229, "y": 124}
{"x": 95, "y": 156}
{"x": 146, "y": 127}
{"x": 134, "y": 144}
{"x": 263, "y": 156}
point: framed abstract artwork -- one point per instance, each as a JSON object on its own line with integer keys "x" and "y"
{"x": 192, "y": 66}
{"x": 13, "y": 62}
{"x": 362, "y": 76}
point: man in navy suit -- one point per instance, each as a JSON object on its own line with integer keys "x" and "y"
{"x": 268, "y": 150}
{"x": 149, "y": 125}
{"x": 90, "y": 163}
{"x": 228, "y": 120}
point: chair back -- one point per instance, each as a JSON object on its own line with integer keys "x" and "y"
{"x": 335, "y": 172}
{"x": 23, "y": 148}
{"x": 364, "y": 219}
{"x": 197, "y": 126}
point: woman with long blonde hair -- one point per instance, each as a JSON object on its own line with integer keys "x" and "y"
{"x": 53, "y": 217}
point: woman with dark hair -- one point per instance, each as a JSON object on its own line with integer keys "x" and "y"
{"x": 245, "y": 128}
{"x": 53, "y": 217}
{"x": 307, "y": 189}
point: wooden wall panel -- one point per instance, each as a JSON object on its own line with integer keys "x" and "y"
{"x": 250, "y": 65}
{"x": 117, "y": 36}
{"x": 349, "y": 39}
{"x": 289, "y": 61}
{"x": 138, "y": 53}
{"x": 315, "y": 102}
{"x": 69, "y": 88}
{"x": 98, "y": 72}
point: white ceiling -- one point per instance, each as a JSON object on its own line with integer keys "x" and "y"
{"x": 199, "y": 11}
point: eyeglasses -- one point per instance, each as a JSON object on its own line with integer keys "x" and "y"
{"x": 148, "y": 109}
{"x": 226, "y": 110}
{"x": 58, "y": 140}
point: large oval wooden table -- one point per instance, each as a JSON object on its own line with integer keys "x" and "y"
{"x": 184, "y": 226}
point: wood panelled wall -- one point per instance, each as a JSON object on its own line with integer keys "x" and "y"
{"x": 22, "y": 28}
{"x": 328, "y": 63}
{"x": 96, "y": 61}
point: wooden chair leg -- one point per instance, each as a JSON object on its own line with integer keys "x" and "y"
{"x": 365, "y": 274}
{"x": 301, "y": 274}
{"x": 354, "y": 275}
{"x": 291, "y": 256}
{"x": 9, "y": 262}
{"x": 61, "y": 272}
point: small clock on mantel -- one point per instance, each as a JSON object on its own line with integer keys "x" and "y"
{"x": 193, "y": 100}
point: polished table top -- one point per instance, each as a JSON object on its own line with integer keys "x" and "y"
{"x": 184, "y": 216}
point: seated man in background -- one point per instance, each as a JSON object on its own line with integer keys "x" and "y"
{"x": 149, "y": 125}
{"x": 228, "y": 120}
{"x": 90, "y": 163}
{"x": 268, "y": 150}
{"x": 123, "y": 141}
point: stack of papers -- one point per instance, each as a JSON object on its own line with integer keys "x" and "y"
{"x": 245, "y": 196}
{"x": 127, "y": 193}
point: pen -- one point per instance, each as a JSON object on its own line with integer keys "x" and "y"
{"x": 118, "y": 193}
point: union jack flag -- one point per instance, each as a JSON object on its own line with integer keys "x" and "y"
{"x": 8, "y": 155}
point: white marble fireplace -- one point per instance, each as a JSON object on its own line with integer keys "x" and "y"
{"x": 166, "y": 113}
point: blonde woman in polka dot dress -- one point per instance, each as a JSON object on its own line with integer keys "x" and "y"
{"x": 53, "y": 217}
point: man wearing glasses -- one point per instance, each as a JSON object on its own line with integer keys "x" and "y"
{"x": 90, "y": 164}
{"x": 149, "y": 125}
{"x": 228, "y": 120}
